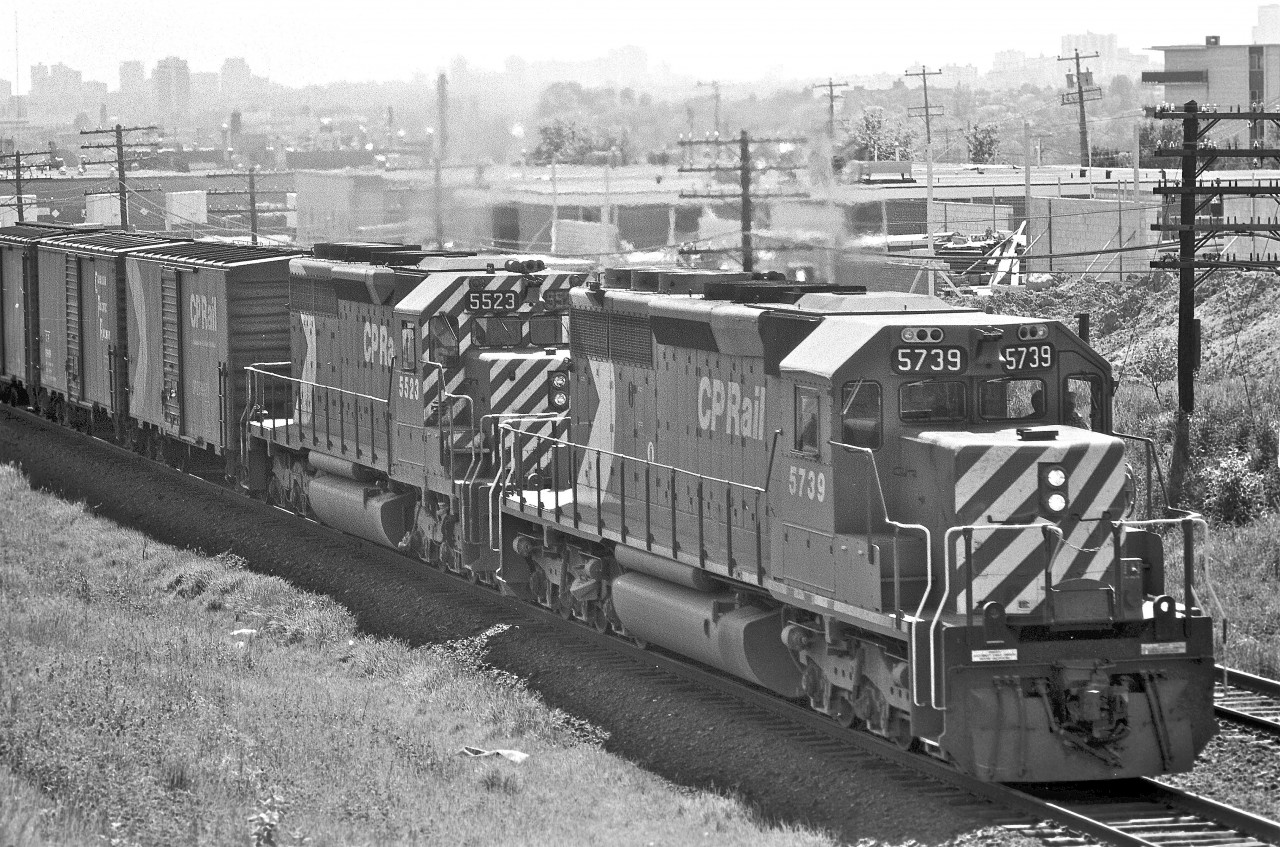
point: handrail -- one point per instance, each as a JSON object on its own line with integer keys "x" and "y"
{"x": 1152, "y": 462}
{"x": 760, "y": 495}
{"x": 603, "y": 452}
{"x": 1044, "y": 526}
{"x": 255, "y": 369}
{"x": 508, "y": 467}
{"x": 928, "y": 548}
{"x": 442, "y": 393}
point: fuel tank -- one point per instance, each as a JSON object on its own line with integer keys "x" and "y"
{"x": 362, "y": 510}
{"x": 745, "y": 642}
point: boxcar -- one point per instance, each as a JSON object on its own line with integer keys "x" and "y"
{"x": 19, "y": 307}
{"x": 82, "y": 346}
{"x": 198, "y": 314}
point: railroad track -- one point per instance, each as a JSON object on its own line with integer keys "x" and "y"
{"x": 1247, "y": 699}
{"x": 1128, "y": 813}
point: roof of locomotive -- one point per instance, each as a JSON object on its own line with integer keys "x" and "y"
{"x": 429, "y": 294}
{"x": 839, "y": 336}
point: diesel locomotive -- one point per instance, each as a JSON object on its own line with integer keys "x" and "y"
{"x": 911, "y": 514}
{"x": 915, "y": 517}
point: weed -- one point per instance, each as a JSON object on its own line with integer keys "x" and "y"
{"x": 494, "y": 780}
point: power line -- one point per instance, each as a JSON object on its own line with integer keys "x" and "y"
{"x": 1081, "y": 94}
{"x": 119, "y": 146}
{"x": 924, "y": 112}
{"x": 831, "y": 85}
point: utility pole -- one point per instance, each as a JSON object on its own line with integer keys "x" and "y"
{"x": 831, "y": 86}
{"x": 251, "y": 208}
{"x": 17, "y": 177}
{"x": 714, "y": 85}
{"x": 442, "y": 141}
{"x": 1195, "y": 233}
{"x": 925, "y": 112}
{"x": 745, "y": 168}
{"x": 1085, "y": 91}
{"x": 119, "y": 147}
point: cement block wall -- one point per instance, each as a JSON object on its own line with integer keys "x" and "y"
{"x": 1069, "y": 225}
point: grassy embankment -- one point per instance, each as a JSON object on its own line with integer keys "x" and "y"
{"x": 154, "y": 696}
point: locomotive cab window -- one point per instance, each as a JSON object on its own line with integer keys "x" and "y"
{"x": 444, "y": 340}
{"x": 546, "y": 330}
{"x": 408, "y": 346}
{"x": 861, "y": 414}
{"x": 1013, "y": 400}
{"x": 499, "y": 332}
{"x": 1082, "y": 402}
{"x": 932, "y": 401}
{"x": 806, "y": 420}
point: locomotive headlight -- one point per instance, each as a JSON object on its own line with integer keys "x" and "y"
{"x": 558, "y": 390}
{"x": 922, "y": 334}
{"x": 1053, "y": 488}
{"x": 1033, "y": 332}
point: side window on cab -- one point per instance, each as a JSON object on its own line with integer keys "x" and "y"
{"x": 861, "y": 414}
{"x": 806, "y": 420}
{"x": 444, "y": 341}
{"x": 1083, "y": 402}
{"x": 408, "y": 346}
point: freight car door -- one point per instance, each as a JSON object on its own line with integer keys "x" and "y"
{"x": 75, "y": 350}
{"x": 171, "y": 347}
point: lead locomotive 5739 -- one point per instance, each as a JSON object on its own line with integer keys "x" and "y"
{"x": 914, "y": 515}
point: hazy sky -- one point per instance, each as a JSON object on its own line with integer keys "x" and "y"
{"x": 295, "y": 42}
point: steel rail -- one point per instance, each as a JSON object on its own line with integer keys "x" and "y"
{"x": 1244, "y": 698}
{"x": 1127, "y": 813}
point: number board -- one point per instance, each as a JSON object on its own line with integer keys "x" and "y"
{"x": 916, "y": 360}
{"x": 485, "y": 302}
{"x": 1027, "y": 357}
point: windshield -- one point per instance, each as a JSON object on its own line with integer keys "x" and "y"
{"x": 932, "y": 400}
{"x": 1013, "y": 399}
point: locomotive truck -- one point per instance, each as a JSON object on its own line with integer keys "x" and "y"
{"x": 911, "y": 514}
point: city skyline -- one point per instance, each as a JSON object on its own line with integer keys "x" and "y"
{"x": 393, "y": 41}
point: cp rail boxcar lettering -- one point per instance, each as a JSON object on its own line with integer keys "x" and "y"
{"x": 739, "y": 408}
{"x": 204, "y": 312}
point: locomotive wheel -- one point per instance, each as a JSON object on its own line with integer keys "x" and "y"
{"x": 900, "y": 732}
{"x": 599, "y": 619}
{"x": 298, "y": 499}
{"x": 842, "y": 710}
{"x": 472, "y": 576}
